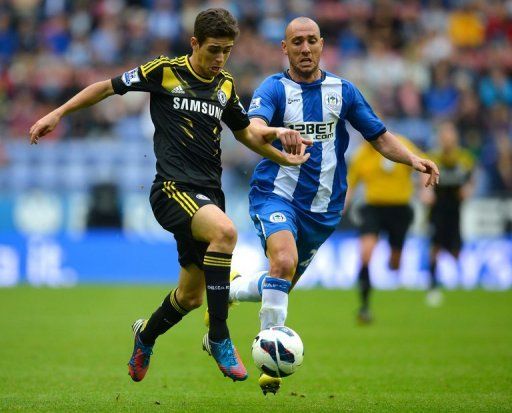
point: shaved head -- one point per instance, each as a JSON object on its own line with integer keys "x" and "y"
{"x": 303, "y": 46}
{"x": 301, "y": 23}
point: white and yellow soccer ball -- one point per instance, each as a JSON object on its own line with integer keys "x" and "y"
{"x": 278, "y": 351}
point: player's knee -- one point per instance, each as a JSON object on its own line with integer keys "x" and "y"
{"x": 283, "y": 265}
{"x": 229, "y": 234}
{"x": 225, "y": 237}
{"x": 366, "y": 256}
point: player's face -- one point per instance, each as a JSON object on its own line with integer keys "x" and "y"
{"x": 211, "y": 56}
{"x": 303, "y": 46}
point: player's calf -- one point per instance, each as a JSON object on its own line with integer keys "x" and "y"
{"x": 232, "y": 276}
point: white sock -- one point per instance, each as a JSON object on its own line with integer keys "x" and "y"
{"x": 274, "y": 302}
{"x": 247, "y": 287}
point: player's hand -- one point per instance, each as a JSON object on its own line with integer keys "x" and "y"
{"x": 427, "y": 167}
{"x": 43, "y": 126}
{"x": 298, "y": 159}
{"x": 291, "y": 140}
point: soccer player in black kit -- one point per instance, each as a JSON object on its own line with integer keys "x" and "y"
{"x": 456, "y": 165}
{"x": 190, "y": 95}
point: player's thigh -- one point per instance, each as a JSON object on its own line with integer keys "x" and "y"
{"x": 211, "y": 223}
{"x": 370, "y": 220}
{"x": 454, "y": 241}
{"x": 175, "y": 206}
{"x": 172, "y": 209}
{"x": 273, "y": 216}
{"x": 398, "y": 221}
{"x": 445, "y": 228}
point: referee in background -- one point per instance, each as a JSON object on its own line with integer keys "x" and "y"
{"x": 389, "y": 187}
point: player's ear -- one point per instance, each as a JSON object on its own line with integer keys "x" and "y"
{"x": 283, "y": 47}
{"x": 194, "y": 43}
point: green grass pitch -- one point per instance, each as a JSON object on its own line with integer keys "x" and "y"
{"x": 65, "y": 350}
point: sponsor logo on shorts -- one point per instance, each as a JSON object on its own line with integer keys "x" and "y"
{"x": 277, "y": 217}
{"x": 203, "y": 197}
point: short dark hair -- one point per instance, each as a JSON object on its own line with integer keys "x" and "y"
{"x": 215, "y": 23}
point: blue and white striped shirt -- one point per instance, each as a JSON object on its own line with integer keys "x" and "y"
{"x": 318, "y": 110}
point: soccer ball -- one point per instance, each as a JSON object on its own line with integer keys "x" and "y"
{"x": 278, "y": 351}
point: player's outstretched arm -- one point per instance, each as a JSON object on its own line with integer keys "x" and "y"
{"x": 87, "y": 97}
{"x": 390, "y": 147}
{"x": 258, "y": 143}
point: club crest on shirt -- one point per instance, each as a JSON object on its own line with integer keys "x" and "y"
{"x": 277, "y": 217}
{"x": 132, "y": 76}
{"x": 333, "y": 101}
{"x": 223, "y": 99}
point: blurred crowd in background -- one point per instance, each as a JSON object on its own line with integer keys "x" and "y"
{"x": 416, "y": 61}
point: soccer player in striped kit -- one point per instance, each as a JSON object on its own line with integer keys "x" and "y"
{"x": 295, "y": 209}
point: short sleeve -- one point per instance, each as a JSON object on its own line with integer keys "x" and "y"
{"x": 264, "y": 99}
{"x": 145, "y": 78}
{"x": 361, "y": 115}
{"x": 235, "y": 116}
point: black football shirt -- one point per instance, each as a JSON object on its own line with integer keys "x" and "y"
{"x": 187, "y": 111}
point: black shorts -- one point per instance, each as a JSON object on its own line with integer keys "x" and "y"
{"x": 395, "y": 220}
{"x": 445, "y": 228}
{"x": 174, "y": 205}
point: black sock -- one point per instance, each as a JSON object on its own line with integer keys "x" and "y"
{"x": 433, "y": 274}
{"x": 364, "y": 287}
{"x": 216, "y": 267}
{"x": 167, "y": 315}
